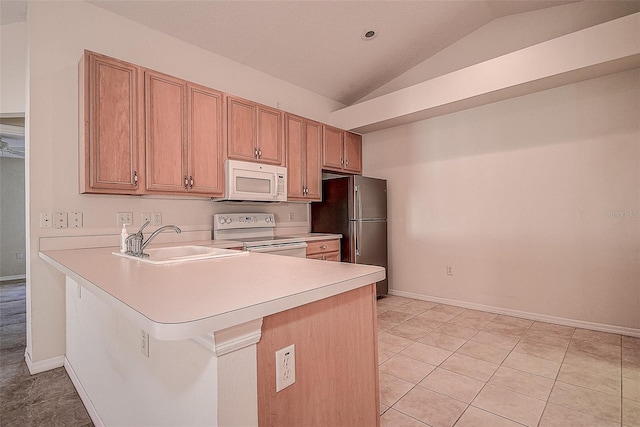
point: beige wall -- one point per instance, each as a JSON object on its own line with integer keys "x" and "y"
{"x": 13, "y": 58}
{"x": 533, "y": 201}
{"x": 12, "y": 228}
{"x": 58, "y": 32}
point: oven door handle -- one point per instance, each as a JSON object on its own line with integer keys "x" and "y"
{"x": 275, "y": 248}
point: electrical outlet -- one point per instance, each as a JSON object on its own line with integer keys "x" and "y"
{"x": 449, "y": 270}
{"x": 156, "y": 218}
{"x": 290, "y": 216}
{"x": 145, "y": 217}
{"x": 75, "y": 219}
{"x": 285, "y": 367}
{"x": 60, "y": 220}
{"x": 46, "y": 220}
{"x": 144, "y": 345}
{"x": 124, "y": 218}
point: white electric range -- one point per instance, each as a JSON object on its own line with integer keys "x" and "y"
{"x": 255, "y": 232}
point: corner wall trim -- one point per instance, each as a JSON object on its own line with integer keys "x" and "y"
{"x": 622, "y": 330}
{"x": 43, "y": 365}
{"x": 16, "y": 277}
{"x": 88, "y": 404}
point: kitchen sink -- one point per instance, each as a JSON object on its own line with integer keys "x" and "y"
{"x": 175, "y": 254}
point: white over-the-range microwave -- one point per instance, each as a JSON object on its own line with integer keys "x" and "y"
{"x": 254, "y": 182}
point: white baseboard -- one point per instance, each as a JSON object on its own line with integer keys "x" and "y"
{"x": 88, "y": 404}
{"x": 622, "y": 330}
{"x": 16, "y": 277}
{"x": 43, "y": 365}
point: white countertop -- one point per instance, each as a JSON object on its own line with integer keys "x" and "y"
{"x": 185, "y": 300}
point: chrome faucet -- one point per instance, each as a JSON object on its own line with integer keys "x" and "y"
{"x": 135, "y": 244}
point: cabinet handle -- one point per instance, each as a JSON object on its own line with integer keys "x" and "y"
{"x": 135, "y": 178}
{"x": 186, "y": 183}
{"x": 347, "y": 163}
{"x": 255, "y": 152}
{"x": 259, "y": 153}
{"x": 323, "y": 247}
{"x": 342, "y": 161}
{"x": 191, "y": 183}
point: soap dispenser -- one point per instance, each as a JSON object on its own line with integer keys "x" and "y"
{"x": 123, "y": 239}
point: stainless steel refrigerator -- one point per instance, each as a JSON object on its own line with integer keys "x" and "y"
{"x": 356, "y": 207}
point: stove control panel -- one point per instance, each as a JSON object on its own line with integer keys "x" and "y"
{"x": 239, "y": 221}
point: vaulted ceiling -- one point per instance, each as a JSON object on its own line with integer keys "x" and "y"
{"x": 318, "y": 45}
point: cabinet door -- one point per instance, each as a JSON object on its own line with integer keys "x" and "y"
{"x": 269, "y": 135}
{"x": 332, "y": 149}
{"x": 353, "y": 152}
{"x": 241, "y": 126}
{"x": 165, "y": 101}
{"x": 294, "y": 137}
{"x": 111, "y": 152}
{"x": 313, "y": 145}
{"x": 205, "y": 141}
{"x": 332, "y": 256}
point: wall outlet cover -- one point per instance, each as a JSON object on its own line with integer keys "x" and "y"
{"x": 285, "y": 367}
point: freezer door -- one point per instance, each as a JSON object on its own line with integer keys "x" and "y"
{"x": 369, "y": 198}
{"x": 369, "y": 246}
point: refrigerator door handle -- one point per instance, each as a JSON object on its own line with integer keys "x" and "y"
{"x": 356, "y": 230}
{"x": 358, "y": 203}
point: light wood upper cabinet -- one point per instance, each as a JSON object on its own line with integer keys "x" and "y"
{"x": 165, "y": 123}
{"x": 341, "y": 151}
{"x": 269, "y": 140}
{"x": 184, "y": 136}
{"x": 353, "y": 152}
{"x": 111, "y": 151}
{"x": 206, "y": 147}
{"x": 254, "y": 132}
{"x": 241, "y": 129}
{"x": 332, "y": 148}
{"x": 142, "y": 131}
{"x": 303, "y": 140}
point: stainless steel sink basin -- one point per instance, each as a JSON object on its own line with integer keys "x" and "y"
{"x": 174, "y": 254}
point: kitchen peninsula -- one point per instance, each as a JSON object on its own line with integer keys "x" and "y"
{"x": 194, "y": 343}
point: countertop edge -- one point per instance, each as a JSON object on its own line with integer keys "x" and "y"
{"x": 192, "y": 329}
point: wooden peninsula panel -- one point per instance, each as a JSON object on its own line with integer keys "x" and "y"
{"x": 336, "y": 363}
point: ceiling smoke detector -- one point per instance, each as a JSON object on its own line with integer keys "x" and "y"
{"x": 368, "y": 35}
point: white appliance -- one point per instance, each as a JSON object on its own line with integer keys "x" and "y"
{"x": 247, "y": 181}
{"x": 255, "y": 232}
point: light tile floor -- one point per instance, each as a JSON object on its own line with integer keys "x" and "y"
{"x": 442, "y": 365}
{"x": 439, "y": 366}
